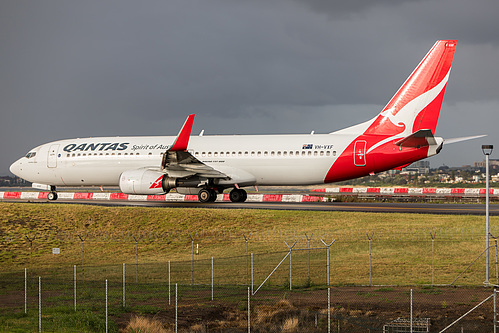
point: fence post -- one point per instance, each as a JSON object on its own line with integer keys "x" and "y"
{"x": 308, "y": 245}
{"x": 290, "y": 264}
{"x": 433, "y": 235}
{"x": 327, "y": 258}
{"x": 39, "y": 304}
{"x": 82, "y": 257}
{"x": 370, "y": 238}
{"x": 169, "y": 284}
{"x": 192, "y": 259}
{"x": 495, "y": 310}
{"x": 329, "y": 310}
{"x": 252, "y": 276}
{"x": 249, "y": 311}
{"x": 212, "y": 278}
{"x": 25, "y": 290}
{"x": 124, "y": 304}
{"x": 247, "y": 258}
{"x": 176, "y": 307}
{"x": 30, "y": 240}
{"x": 75, "y": 285}
{"x": 106, "y": 305}
{"x": 411, "y": 311}
{"x": 136, "y": 259}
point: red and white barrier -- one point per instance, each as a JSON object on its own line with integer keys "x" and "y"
{"x": 165, "y": 197}
{"x": 401, "y": 191}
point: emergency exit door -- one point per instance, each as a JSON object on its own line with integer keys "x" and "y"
{"x": 359, "y": 153}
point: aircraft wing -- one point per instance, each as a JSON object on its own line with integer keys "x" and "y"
{"x": 178, "y": 162}
{"x": 182, "y": 164}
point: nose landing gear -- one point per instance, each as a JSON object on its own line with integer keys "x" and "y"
{"x": 52, "y": 194}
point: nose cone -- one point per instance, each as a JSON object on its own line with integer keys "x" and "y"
{"x": 15, "y": 168}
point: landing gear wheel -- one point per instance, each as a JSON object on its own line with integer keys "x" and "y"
{"x": 52, "y": 196}
{"x": 238, "y": 195}
{"x": 213, "y": 195}
{"x": 207, "y": 195}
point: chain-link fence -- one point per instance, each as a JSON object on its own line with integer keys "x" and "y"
{"x": 274, "y": 292}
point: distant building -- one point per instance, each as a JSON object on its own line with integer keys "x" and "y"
{"x": 421, "y": 167}
{"x": 494, "y": 164}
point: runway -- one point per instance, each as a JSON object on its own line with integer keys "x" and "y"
{"x": 371, "y": 207}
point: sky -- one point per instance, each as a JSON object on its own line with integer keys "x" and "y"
{"x": 117, "y": 68}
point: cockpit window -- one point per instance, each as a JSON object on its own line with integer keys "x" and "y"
{"x": 30, "y": 155}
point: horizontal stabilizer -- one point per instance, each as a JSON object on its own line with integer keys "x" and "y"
{"x": 421, "y": 138}
{"x": 464, "y": 138}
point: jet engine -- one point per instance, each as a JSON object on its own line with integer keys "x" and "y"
{"x": 144, "y": 181}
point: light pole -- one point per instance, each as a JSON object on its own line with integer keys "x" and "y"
{"x": 487, "y": 150}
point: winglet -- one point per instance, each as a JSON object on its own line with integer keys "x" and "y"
{"x": 183, "y": 136}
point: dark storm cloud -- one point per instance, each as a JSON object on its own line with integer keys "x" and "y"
{"x": 342, "y": 9}
{"x": 89, "y": 68}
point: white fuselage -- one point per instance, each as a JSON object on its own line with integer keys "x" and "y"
{"x": 271, "y": 159}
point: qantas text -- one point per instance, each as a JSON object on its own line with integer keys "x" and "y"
{"x": 104, "y": 146}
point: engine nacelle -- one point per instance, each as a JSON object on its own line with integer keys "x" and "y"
{"x": 142, "y": 181}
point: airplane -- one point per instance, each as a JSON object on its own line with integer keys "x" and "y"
{"x": 206, "y": 165}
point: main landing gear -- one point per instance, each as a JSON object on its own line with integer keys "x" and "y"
{"x": 210, "y": 195}
{"x": 207, "y": 195}
{"x": 238, "y": 195}
{"x": 52, "y": 194}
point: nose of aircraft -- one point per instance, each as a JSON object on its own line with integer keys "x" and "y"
{"x": 15, "y": 168}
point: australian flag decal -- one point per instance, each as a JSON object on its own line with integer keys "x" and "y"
{"x": 307, "y": 146}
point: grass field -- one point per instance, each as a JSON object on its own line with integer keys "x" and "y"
{"x": 401, "y": 243}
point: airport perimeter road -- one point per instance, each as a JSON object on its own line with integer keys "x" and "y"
{"x": 376, "y": 207}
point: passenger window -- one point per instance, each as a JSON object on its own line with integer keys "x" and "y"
{"x": 315, "y": 153}
{"x": 303, "y": 153}
{"x": 272, "y": 153}
{"x": 252, "y": 153}
{"x": 266, "y": 153}
{"x": 259, "y": 153}
{"x": 328, "y": 153}
{"x": 215, "y": 154}
{"x": 284, "y": 153}
{"x": 334, "y": 153}
{"x": 209, "y": 154}
{"x": 278, "y": 153}
{"x": 309, "y": 153}
{"x": 240, "y": 154}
